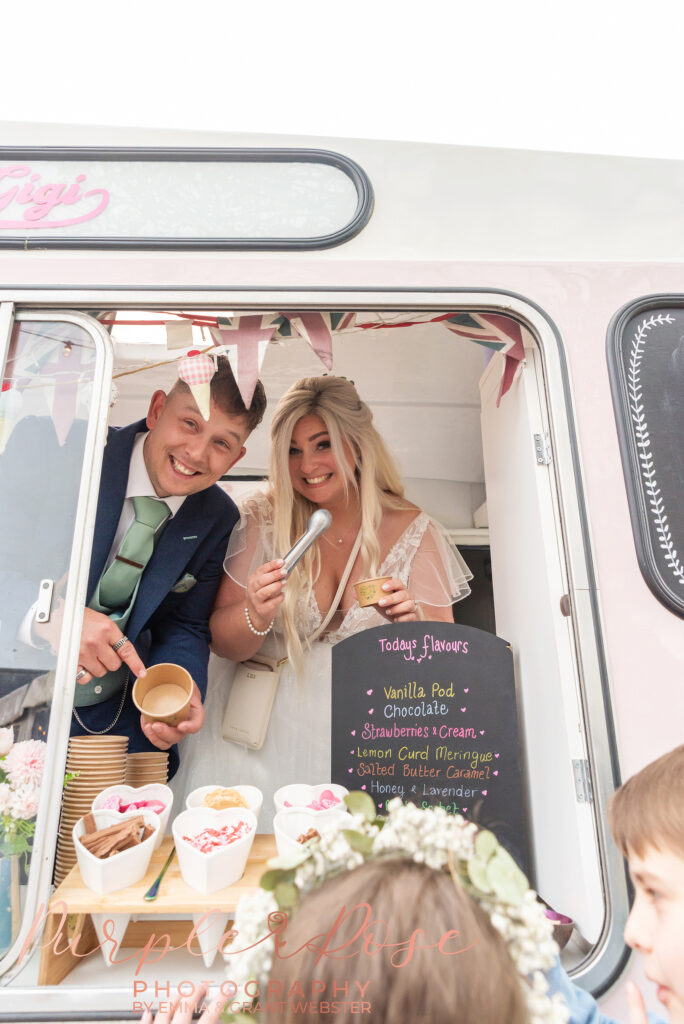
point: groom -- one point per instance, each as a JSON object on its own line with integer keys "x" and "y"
{"x": 161, "y": 533}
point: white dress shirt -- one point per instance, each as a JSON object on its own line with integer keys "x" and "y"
{"x": 139, "y": 486}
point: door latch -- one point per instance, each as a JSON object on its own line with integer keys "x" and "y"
{"x": 44, "y": 606}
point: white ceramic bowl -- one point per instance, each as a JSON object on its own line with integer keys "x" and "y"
{"x": 208, "y": 872}
{"x": 300, "y": 795}
{"x": 109, "y": 874}
{"x": 290, "y": 823}
{"x": 153, "y": 791}
{"x": 251, "y": 794}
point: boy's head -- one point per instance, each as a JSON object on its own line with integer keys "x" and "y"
{"x": 646, "y": 817}
{"x": 184, "y": 453}
{"x": 226, "y": 395}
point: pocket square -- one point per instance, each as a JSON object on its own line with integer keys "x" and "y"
{"x": 185, "y": 583}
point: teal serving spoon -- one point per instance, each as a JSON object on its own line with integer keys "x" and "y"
{"x": 153, "y": 890}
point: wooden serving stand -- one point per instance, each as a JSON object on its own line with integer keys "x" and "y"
{"x": 80, "y": 921}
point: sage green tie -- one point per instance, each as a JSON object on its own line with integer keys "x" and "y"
{"x": 121, "y": 578}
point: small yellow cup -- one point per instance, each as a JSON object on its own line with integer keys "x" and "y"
{"x": 163, "y": 694}
{"x": 370, "y": 591}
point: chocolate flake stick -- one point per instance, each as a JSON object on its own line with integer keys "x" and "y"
{"x": 108, "y": 841}
{"x": 109, "y": 844}
{"x": 125, "y": 825}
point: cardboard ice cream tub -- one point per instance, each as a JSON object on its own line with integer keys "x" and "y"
{"x": 163, "y": 693}
{"x": 370, "y": 591}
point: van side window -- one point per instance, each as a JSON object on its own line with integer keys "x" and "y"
{"x": 646, "y": 365}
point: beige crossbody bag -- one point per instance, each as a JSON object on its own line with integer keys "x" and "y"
{"x": 250, "y": 702}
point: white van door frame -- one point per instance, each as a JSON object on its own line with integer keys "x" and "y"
{"x": 608, "y": 957}
{"x": 47, "y": 822}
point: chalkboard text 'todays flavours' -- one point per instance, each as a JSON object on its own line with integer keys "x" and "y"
{"x": 410, "y": 650}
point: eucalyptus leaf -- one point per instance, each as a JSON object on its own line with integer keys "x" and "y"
{"x": 286, "y": 895}
{"x": 486, "y": 844}
{"x": 505, "y": 877}
{"x": 361, "y": 803}
{"x": 477, "y": 872}
{"x": 270, "y": 879}
{"x": 358, "y": 841}
{"x": 289, "y": 861}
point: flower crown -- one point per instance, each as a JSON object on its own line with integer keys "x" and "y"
{"x": 431, "y": 836}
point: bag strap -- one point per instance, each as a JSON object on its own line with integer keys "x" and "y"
{"x": 340, "y": 590}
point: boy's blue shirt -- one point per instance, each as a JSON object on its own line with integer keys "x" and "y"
{"x": 583, "y": 1007}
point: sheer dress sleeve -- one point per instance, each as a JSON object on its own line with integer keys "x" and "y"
{"x": 438, "y": 575}
{"x": 251, "y": 541}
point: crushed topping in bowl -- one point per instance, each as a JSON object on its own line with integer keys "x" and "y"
{"x": 210, "y": 839}
{"x": 116, "y": 803}
{"x": 326, "y": 800}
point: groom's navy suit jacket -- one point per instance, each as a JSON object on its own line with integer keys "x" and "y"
{"x": 165, "y": 624}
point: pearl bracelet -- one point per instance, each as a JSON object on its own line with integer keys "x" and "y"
{"x": 257, "y": 632}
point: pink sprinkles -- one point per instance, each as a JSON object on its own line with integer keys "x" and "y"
{"x": 210, "y": 839}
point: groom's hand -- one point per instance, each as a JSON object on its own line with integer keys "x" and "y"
{"x": 164, "y": 736}
{"x": 96, "y": 656}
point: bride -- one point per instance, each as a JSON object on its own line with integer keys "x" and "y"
{"x": 325, "y": 453}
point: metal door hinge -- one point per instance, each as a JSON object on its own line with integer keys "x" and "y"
{"x": 44, "y": 605}
{"x": 542, "y": 449}
{"x": 582, "y": 777}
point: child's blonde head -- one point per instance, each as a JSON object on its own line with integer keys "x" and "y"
{"x": 480, "y": 983}
{"x": 648, "y": 809}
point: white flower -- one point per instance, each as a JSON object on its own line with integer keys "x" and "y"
{"x": 25, "y": 762}
{"x": 24, "y": 802}
{"x": 6, "y": 740}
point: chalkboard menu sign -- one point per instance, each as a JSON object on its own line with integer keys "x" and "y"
{"x": 427, "y": 711}
{"x": 646, "y": 361}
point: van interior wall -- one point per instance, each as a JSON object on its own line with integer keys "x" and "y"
{"x": 421, "y": 382}
{"x": 423, "y": 385}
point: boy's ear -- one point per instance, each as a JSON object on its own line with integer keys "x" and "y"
{"x": 243, "y": 452}
{"x": 157, "y": 403}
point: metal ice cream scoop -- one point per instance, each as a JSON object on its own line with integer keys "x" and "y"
{"x": 318, "y": 524}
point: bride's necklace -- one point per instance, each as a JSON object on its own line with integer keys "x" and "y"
{"x": 337, "y": 541}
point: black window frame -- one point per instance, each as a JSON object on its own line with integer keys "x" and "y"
{"x": 359, "y": 178}
{"x": 653, "y": 564}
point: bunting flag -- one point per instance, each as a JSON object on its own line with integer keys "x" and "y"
{"x": 179, "y": 334}
{"x": 494, "y": 331}
{"x": 70, "y": 365}
{"x": 317, "y": 330}
{"x": 245, "y": 340}
{"x": 197, "y": 369}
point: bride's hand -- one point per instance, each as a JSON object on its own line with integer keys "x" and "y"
{"x": 398, "y": 605}
{"x": 265, "y": 593}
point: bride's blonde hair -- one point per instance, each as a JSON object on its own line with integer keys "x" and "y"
{"x": 374, "y": 478}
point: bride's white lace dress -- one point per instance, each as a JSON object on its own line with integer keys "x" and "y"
{"x": 297, "y": 746}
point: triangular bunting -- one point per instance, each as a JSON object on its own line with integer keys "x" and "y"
{"x": 245, "y": 339}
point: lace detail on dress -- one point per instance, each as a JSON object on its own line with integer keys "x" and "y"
{"x": 397, "y": 563}
{"x": 438, "y": 577}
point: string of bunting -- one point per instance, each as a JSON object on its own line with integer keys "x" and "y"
{"x": 244, "y": 339}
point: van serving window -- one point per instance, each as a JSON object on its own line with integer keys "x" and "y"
{"x": 68, "y": 198}
{"x": 646, "y": 363}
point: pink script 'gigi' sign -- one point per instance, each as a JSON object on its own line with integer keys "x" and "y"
{"x": 39, "y": 200}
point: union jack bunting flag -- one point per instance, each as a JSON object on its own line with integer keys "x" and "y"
{"x": 317, "y": 329}
{"x": 501, "y": 333}
{"x": 245, "y": 340}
